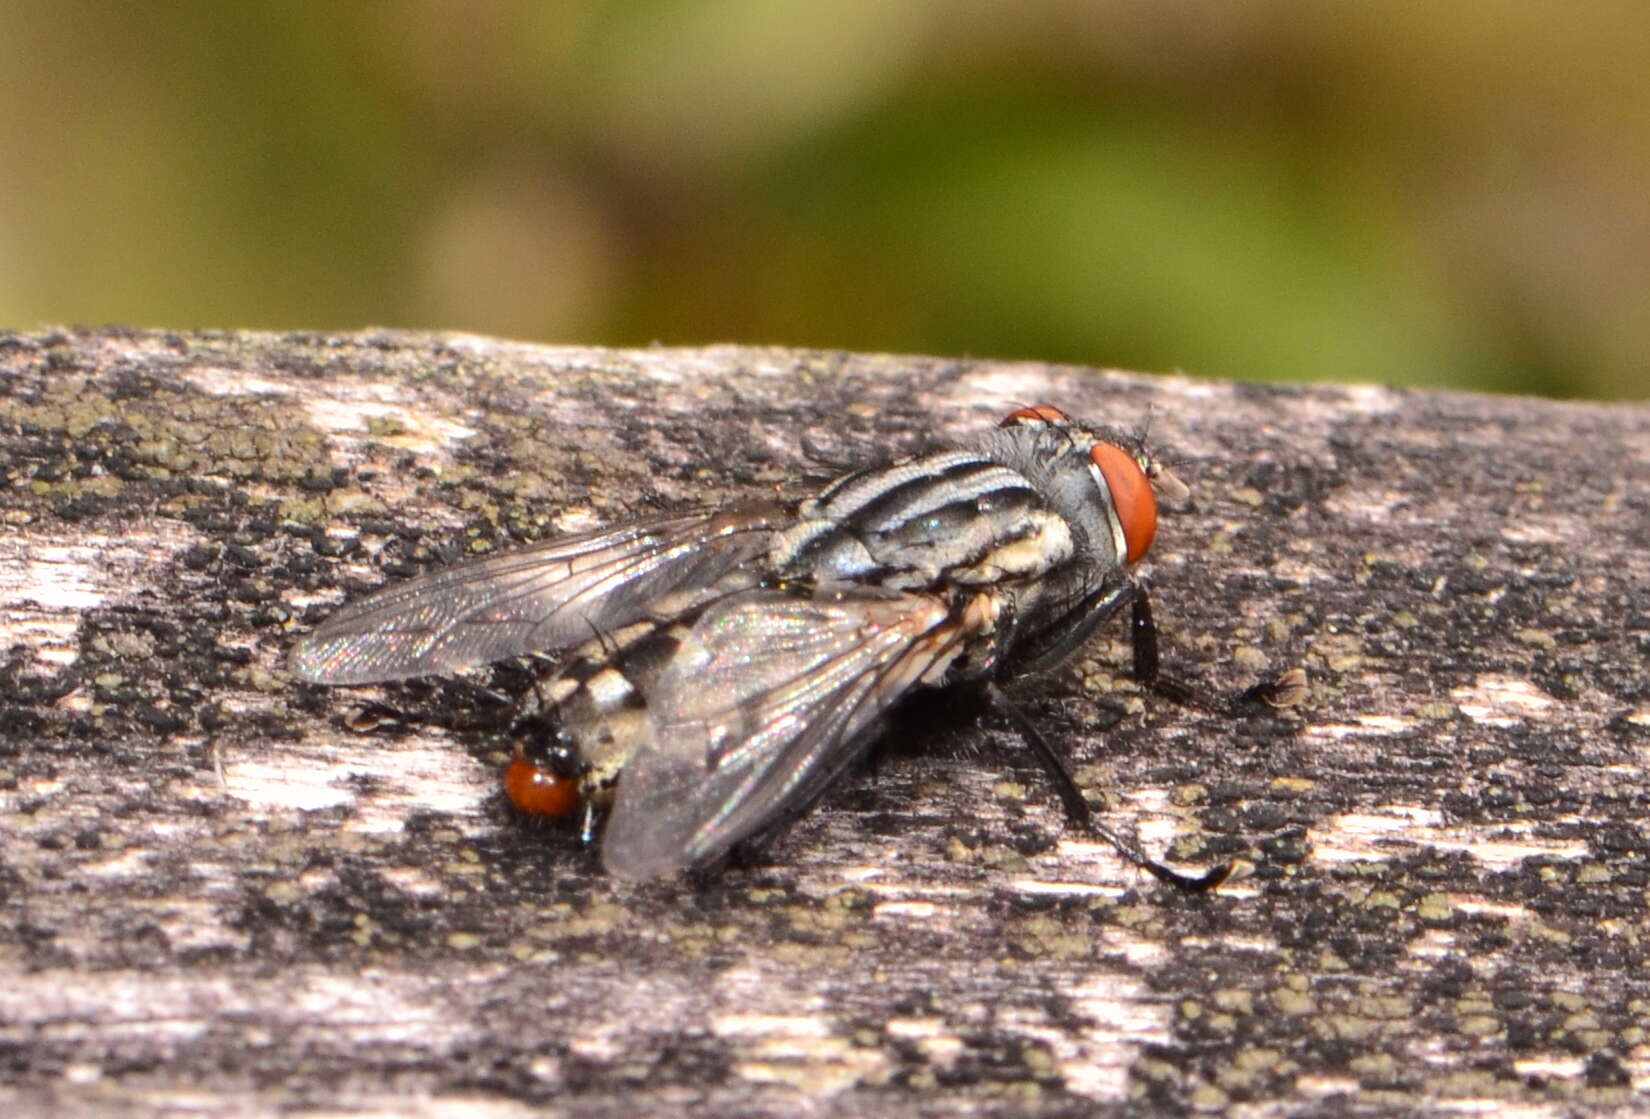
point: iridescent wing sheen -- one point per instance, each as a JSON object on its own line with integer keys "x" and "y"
{"x": 769, "y": 698}
{"x": 531, "y": 600}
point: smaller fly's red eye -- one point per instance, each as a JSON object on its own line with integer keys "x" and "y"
{"x": 1131, "y": 496}
{"x": 538, "y": 791}
{"x": 1036, "y": 414}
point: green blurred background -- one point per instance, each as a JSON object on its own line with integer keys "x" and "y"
{"x": 1451, "y": 193}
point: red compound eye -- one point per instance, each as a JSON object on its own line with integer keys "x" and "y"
{"x": 1131, "y": 496}
{"x": 538, "y": 791}
{"x": 1036, "y": 414}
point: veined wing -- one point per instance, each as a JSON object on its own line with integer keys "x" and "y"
{"x": 534, "y": 599}
{"x": 767, "y": 700}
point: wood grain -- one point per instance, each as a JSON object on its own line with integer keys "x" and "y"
{"x": 221, "y": 890}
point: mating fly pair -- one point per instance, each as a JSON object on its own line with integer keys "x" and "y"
{"x": 727, "y": 667}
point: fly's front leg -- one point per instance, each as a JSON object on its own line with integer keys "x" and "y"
{"x": 1283, "y": 690}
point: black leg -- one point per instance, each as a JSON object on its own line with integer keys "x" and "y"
{"x": 1071, "y": 797}
{"x": 1077, "y": 808}
{"x": 1283, "y": 690}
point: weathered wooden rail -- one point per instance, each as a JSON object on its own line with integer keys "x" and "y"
{"x": 221, "y": 890}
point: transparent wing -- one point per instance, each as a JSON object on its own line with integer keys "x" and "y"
{"x": 542, "y": 597}
{"x": 765, "y": 702}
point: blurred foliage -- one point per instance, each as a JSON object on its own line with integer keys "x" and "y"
{"x": 1400, "y": 192}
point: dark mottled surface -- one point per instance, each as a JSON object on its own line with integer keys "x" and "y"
{"x": 215, "y": 894}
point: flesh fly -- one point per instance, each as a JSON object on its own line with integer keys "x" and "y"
{"x": 726, "y": 667}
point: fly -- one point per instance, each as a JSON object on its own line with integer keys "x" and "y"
{"x": 726, "y": 667}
